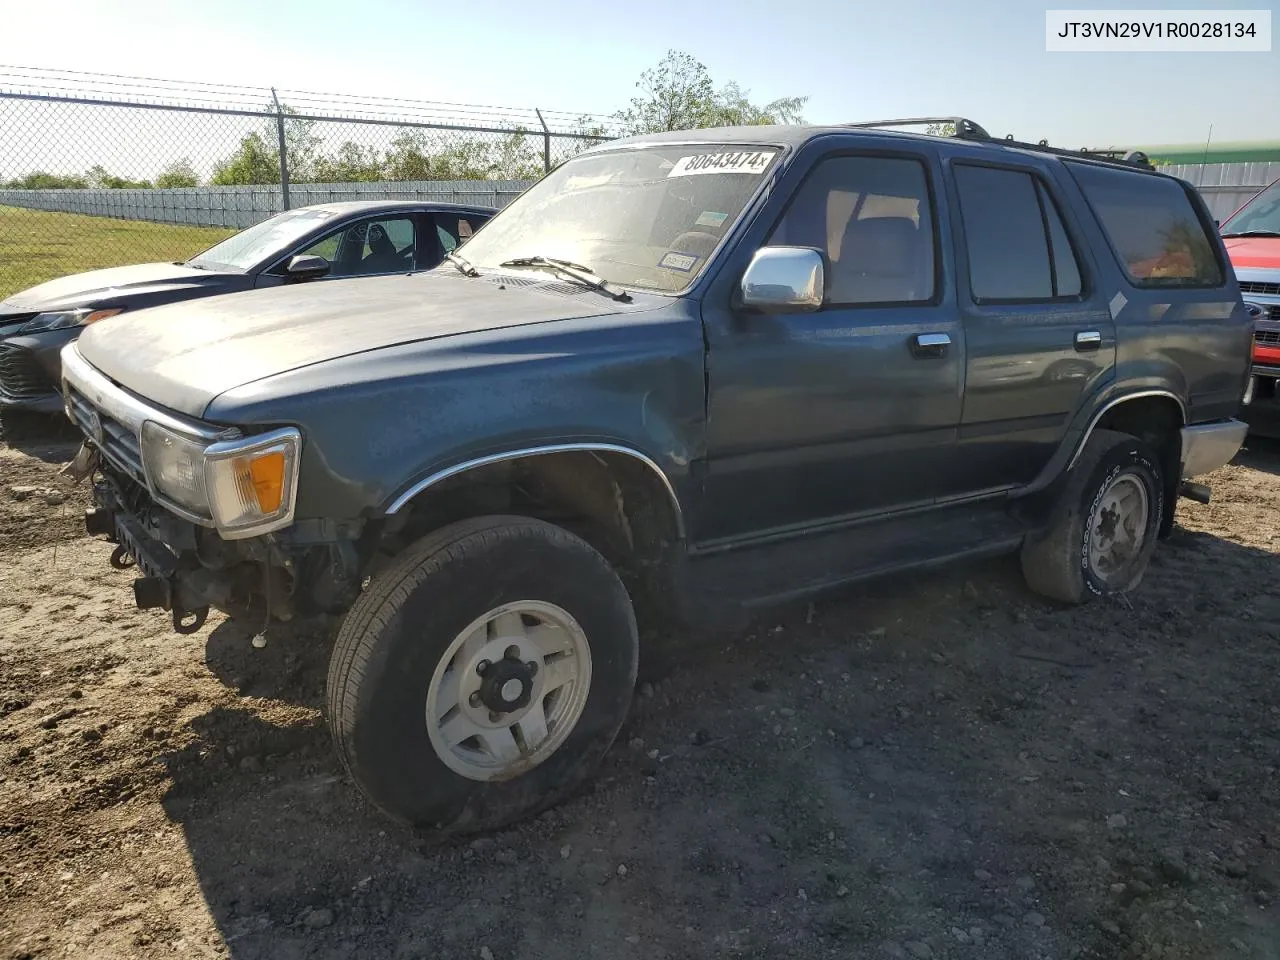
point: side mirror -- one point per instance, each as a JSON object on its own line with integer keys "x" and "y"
{"x": 307, "y": 268}
{"x": 784, "y": 279}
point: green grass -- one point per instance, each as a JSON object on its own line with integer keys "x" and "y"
{"x": 36, "y": 246}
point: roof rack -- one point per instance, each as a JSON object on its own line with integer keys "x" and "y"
{"x": 965, "y": 129}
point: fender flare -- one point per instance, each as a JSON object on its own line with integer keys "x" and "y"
{"x": 518, "y": 454}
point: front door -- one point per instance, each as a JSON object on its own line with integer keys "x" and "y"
{"x": 817, "y": 417}
{"x": 1038, "y": 331}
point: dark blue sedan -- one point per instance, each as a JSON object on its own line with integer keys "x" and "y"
{"x": 323, "y": 242}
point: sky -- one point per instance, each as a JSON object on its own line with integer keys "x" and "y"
{"x": 984, "y": 59}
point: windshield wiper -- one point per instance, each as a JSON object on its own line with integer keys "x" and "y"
{"x": 574, "y": 271}
{"x": 464, "y": 265}
{"x": 1253, "y": 233}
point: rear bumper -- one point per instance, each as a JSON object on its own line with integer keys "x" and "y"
{"x": 1208, "y": 446}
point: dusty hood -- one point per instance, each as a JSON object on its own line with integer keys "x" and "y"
{"x": 99, "y": 285}
{"x": 184, "y": 355}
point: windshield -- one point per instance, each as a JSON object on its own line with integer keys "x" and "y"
{"x": 1259, "y": 215}
{"x": 272, "y": 236}
{"x": 642, "y": 217}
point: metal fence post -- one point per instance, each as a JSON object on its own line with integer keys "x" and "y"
{"x": 546, "y": 142}
{"x": 284, "y": 152}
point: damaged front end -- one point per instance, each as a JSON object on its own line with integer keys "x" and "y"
{"x": 186, "y": 569}
{"x": 205, "y": 513}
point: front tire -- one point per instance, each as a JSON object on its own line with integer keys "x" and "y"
{"x": 1105, "y": 525}
{"x": 483, "y": 675}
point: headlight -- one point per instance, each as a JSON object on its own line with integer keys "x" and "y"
{"x": 246, "y": 487}
{"x": 62, "y": 319}
{"x": 174, "y": 465}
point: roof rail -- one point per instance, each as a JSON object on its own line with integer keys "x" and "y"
{"x": 968, "y": 130}
{"x": 1130, "y": 158}
{"x": 964, "y": 129}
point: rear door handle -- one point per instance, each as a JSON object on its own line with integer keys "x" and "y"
{"x": 1088, "y": 340}
{"x": 930, "y": 344}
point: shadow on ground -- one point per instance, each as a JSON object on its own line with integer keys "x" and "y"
{"x": 50, "y": 438}
{"x": 291, "y": 666}
{"x": 939, "y": 765}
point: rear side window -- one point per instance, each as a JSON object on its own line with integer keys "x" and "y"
{"x": 1152, "y": 226}
{"x": 454, "y": 230}
{"x": 1018, "y": 248}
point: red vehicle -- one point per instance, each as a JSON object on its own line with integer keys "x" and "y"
{"x": 1252, "y": 239}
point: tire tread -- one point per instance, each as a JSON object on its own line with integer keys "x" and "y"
{"x": 373, "y": 610}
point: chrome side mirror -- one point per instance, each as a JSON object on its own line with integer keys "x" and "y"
{"x": 307, "y": 267}
{"x": 784, "y": 279}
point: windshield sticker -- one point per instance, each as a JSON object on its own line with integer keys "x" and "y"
{"x": 678, "y": 261}
{"x": 710, "y": 219}
{"x": 735, "y": 161}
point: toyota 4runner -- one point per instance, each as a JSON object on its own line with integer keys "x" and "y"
{"x": 681, "y": 376}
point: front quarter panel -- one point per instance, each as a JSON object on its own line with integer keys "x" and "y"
{"x": 375, "y": 424}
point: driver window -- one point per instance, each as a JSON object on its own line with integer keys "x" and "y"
{"x": 367, "y": 247}
{"x": 872, "y": 219}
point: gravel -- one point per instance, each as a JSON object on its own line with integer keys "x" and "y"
{"x": 957, "y": 772}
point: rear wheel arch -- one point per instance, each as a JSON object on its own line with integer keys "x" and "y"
{"x": 1156, "y": 418}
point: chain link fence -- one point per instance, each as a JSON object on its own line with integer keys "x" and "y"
{"x": 98, "y": 170}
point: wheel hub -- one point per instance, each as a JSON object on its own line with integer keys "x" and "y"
{"x": 1118, "y": 529}
{"x": 508, "y": 690}
{"x": 506, "y": 685}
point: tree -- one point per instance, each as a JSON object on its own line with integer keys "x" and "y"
{"x": 257, "y": 158}
{"x": 179, "y": 173}
{"x": 678, "y": 94}
{"x": 98, "y": 178}
{"x": 516, "y": 157}
{"x": 40, "y": 180}
{"x": 412, "y": 157}
{"x": 352, "y": 163}
{"x": 255, "y": 161}
{"x": 734, "y": 109}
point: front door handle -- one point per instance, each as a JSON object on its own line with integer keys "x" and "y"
{"x": 1088, "y": 340}
{"x": 930, "y": 344}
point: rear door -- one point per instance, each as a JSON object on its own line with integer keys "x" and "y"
{"x": 449, "y": 230}
{"x": 1038, "y": 329}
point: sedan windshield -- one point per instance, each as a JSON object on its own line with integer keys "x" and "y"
{"x": 642, "y": 217}
{"x": 1260, "y": 216}
{"x": 268, "y": 239}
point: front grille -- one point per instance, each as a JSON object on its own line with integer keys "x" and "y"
{"x": 1257, "y": 286}
{"x": 1268, "y": 338}
{"x": 118, "y": 443}
{"x": 21, "y": 376}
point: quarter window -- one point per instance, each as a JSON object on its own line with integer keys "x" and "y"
{"x": 1016, "y": 243}
{"x": 872, "y": 217}
{"x": 1153, "y": 227}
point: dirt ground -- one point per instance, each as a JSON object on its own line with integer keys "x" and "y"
{"x": 938, "y": 766}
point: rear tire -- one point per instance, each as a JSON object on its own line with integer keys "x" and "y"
{"x": 1105, "y": 525}
{"x": 482, "y": 676}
